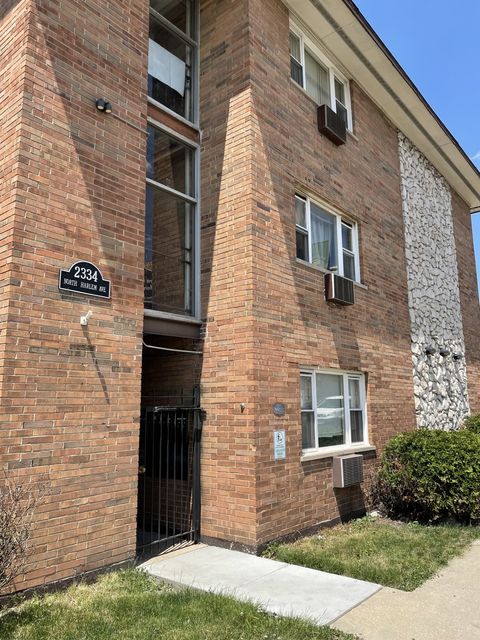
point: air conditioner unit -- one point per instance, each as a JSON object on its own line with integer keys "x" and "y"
{"x": 338, "y": 289}
{"x": 347, "y": 471}
{"x": 333, "y": 125}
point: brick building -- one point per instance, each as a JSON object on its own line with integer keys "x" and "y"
{"x": 226, "y": 166}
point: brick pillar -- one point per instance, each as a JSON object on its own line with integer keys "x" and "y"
{"x": 228, "y": 379}
{"x": 71, "y": 394}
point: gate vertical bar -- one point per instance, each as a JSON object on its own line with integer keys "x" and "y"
{"x": 159, "y": 422}
{"x": 142, "y": 472}
{"x": 174, "y": 471}
{"x": 150, "y": 444}
{"x": 197, "y": 431}
{"x": 171, "y": 418}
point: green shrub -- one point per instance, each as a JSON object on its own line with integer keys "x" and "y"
{"x": 472, "y": 423}
{"x": 430, "y": 476}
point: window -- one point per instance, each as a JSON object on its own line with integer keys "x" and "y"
{"x": 332, "y": 409}
{"x": 310, "y": 69}
{"x": 172, "y": 56}
{"x": 326, "y": 239}
{"x": 170, "y": 224}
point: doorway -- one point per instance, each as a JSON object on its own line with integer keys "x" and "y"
{"x": 169, "y": 473}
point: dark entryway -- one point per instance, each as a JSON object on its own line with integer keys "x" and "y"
{"x": 169, "y": 474}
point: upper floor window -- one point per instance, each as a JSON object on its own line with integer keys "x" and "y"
{"x": 310, "y": 69}
{"x": 326, "y": 239}
{"x": 172, "y": 56}
{"x": 333, "y": 409}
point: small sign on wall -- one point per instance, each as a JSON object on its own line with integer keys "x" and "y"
{"x": 279, "y": 409}
{"x": 84, "y": 277}
{"x": 279, "y": 445}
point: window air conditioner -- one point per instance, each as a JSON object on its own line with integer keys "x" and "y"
{"x": 338, "y": 289}
{"x": 347, "y": 471}
{"x": 333, "y": 125}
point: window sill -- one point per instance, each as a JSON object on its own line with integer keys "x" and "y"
{"x": 331, "y": 453}
{"x": 352, "y": 135}
{"x": 322, "y": 270}
{"x": 165, "y": 315}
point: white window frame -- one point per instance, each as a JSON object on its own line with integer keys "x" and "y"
{"x": 340, "y": 219}
{"x": 333, "y": 72}
{"x": 346, "y": 375}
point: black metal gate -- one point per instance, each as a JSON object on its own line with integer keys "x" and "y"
{"x": 169, "y": 478}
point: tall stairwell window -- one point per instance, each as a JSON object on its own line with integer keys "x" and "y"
{"x": 172, "y": 217}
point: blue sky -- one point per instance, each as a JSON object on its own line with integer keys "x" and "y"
{"x": 436, "y": 42}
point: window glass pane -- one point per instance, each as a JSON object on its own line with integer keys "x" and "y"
{"x": 302, "y": 245}
{"x": 308, "y": 430}
{"x": 169, "y": 224}
{"x": 354, "y": 393}
{"x": 339, "y": 91}
{"x": 348, "y": 266}
{"x": 295, "y": 47}
{"x": 300, "y": 212}
{"x": 296, "y": 71}
{"x": 317, "y": 82}
{"x": 342, "y": 112}
{"x": 356, "y": 414}
{"x": 356, "y": 423}
{"x": 347, "y": 237}
{"x": 324, "y": 238}
{"x": 178, "y": 12}
{"x": 306, "y": 392}
{"x": 170, "y": 162}
{"x": 330, "y": 410}
{"x": 169, "y": 70}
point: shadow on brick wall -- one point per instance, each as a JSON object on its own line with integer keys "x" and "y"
{"x": 7, "y": 6}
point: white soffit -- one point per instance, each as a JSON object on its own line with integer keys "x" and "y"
{"x": 360, "y": 52}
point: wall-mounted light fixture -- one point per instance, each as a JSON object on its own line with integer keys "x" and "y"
{"x": 84, "y": 319}
{"x": 430, "y": 351}
{"x": 444, "y": 352}
{"x": 103, "y": 105}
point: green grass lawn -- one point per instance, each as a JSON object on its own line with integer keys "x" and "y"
{"x": 129, "y": 605}
{"x": 389, "y": 553}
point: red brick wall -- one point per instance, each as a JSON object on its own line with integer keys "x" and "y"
{"x": 462, "y": 227}
{"x": 168, "y": 378}
{"x": 70, "y": 395}
{"x": 228, "y": 377}
{"x": 281, "y": 320}
{"x": 294, "y": 325}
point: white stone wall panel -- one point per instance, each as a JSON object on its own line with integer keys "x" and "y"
{"x": 440, "y": 382}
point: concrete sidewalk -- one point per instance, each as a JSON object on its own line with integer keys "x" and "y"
{"x": 279, "y": 588}
{"x": 446, "y": 607}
